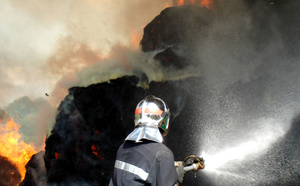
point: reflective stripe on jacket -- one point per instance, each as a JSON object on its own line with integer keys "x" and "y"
{"x": 146, "y": 163}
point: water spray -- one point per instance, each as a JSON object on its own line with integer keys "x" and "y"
{"x": 237, "y": 160}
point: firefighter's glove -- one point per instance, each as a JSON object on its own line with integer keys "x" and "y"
{"x": 180, "y": 170}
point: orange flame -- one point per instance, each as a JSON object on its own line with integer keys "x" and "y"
{"x": 95, "y": 151}
{"x": 180, "y": 2}
{"x": 11, "y": 147}
{"x": 207, "y": 3}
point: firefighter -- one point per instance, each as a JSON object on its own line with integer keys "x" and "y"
{"x": 143, "y": 159}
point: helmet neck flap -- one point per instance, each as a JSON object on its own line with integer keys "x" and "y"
{"x": 145, "y": 132}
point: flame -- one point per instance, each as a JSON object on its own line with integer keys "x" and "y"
{"x": 95, "y": 151}
{"x": 13, "y": 148}
{"x": 203, "y": 3}
{"x": 180, "y": 2}
{"x": 206, "y": 3}
{"x": 57, "y": 155}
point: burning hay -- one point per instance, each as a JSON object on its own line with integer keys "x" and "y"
{"x": 9, "y": 173}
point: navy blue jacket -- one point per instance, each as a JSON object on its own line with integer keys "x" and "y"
{"x": 146, "y": 163}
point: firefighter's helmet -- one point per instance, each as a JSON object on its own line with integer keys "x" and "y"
{"x": 151, "y": 114}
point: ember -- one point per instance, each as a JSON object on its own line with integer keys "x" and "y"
{"x": 56, "y": 155}
{"x": 96, "y": 152}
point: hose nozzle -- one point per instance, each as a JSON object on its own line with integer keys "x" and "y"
{"x": 193, "y": 163}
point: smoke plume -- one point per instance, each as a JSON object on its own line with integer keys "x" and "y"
{"x": 44, "y": 40}
{"x": 44, "y": 44}
{"x": 32, "y": 114}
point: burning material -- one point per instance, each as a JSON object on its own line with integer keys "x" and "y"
{"x": 202, "y": 3}
{"x": 92, "y": 122}
{"x": 9, "y": 174}
{"x": 35, "y": 171}
{"x": 96, "y": 152}
{"x": 16, "y": 150}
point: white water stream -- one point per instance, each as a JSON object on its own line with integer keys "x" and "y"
{"x": 228, "y": 162}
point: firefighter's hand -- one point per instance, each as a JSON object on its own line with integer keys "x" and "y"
{"x": 180, "y": 170}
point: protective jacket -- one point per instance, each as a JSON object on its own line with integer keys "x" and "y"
{"x": 144, "y": 163}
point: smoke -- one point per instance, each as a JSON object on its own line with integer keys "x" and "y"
{"x": 39, "y": 38}
{"x": 25, "y": 43}
{"x": 236, "y": 46}
{"x": 126, "y": 61}
{"x": 35, "y": 117}
{"x": 3, "y": 114}
{"x": 45, "y": 44}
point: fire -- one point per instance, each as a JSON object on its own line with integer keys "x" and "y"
{"x": 56, "y": 155}
{"x": 180, "y": 2}
{"x": 96, "y": 152}
{"x": 16, "y": 150}
{"x": 207, "y": 3}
